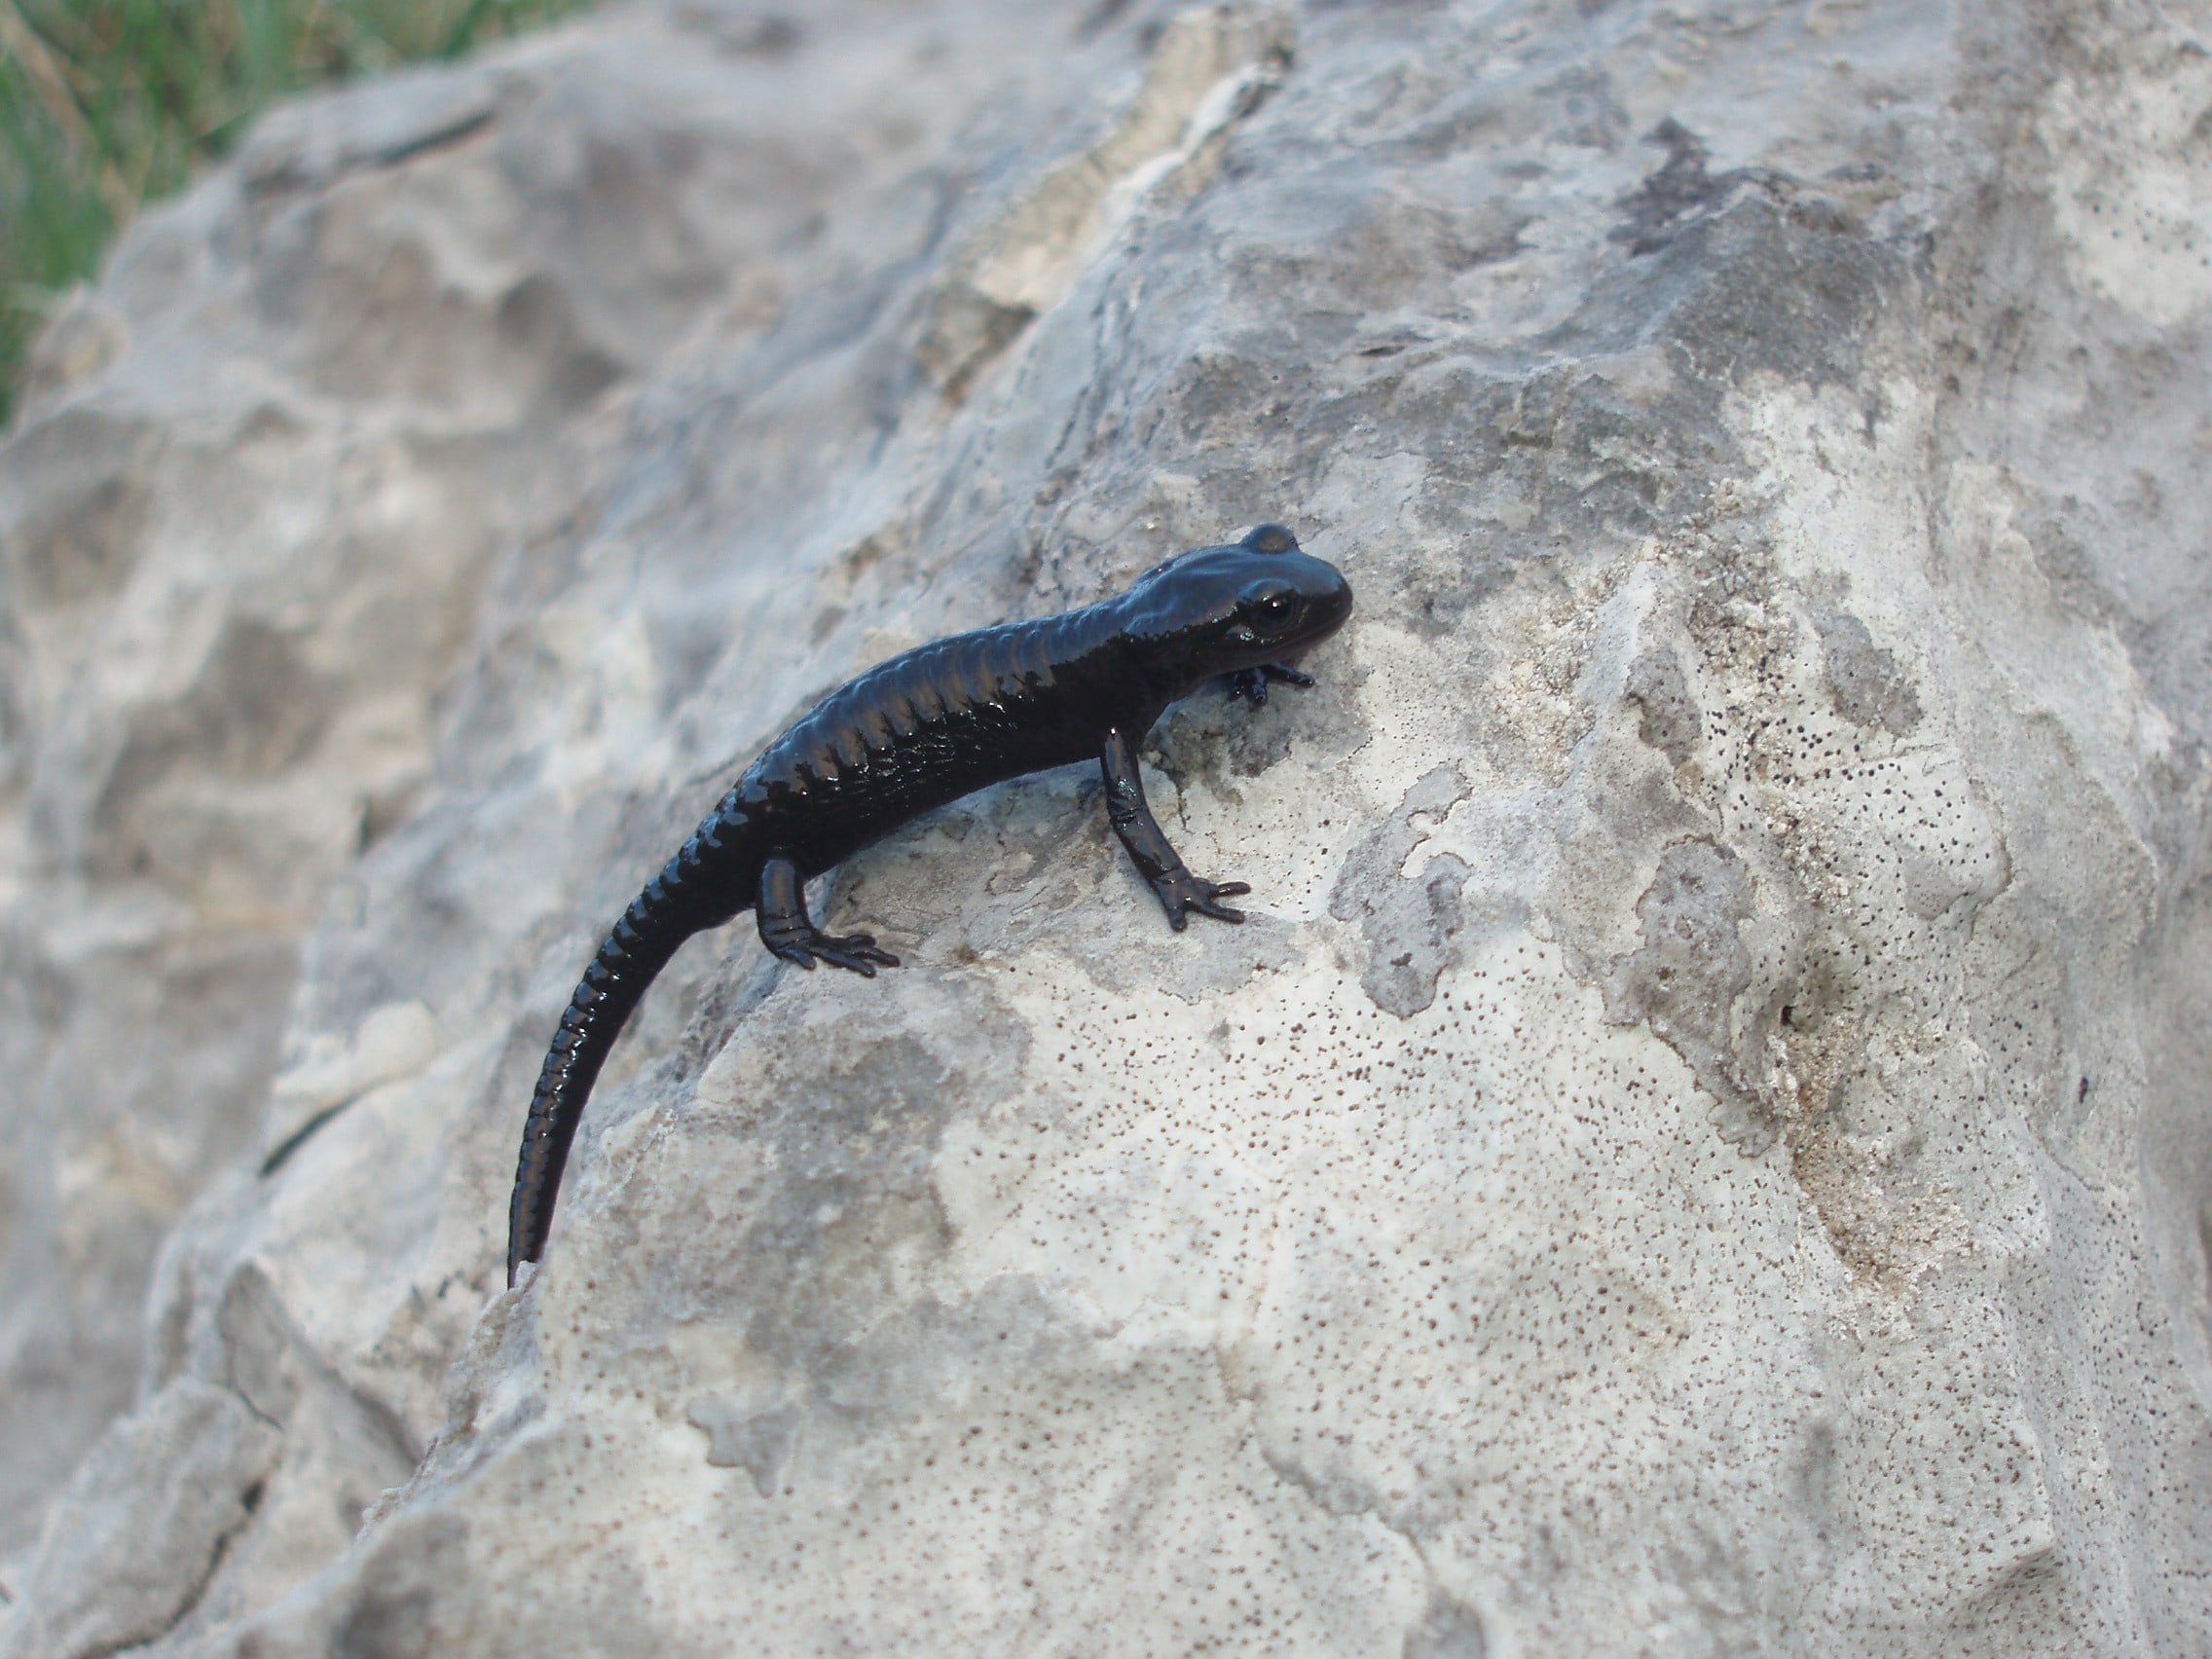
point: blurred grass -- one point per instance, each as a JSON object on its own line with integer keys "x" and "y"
{"x": 108, "y": 104}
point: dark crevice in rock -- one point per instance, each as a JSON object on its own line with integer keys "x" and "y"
{"x": 299, "y": 1137}
{"x": 1680, "y": 193}
{"x": 445, "y": 138}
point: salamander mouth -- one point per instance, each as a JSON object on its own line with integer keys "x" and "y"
{"x": 1325, "y": 611}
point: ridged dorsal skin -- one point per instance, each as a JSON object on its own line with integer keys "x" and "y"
{"x": 934, "y": 723}
{"x": 910, "y": 735}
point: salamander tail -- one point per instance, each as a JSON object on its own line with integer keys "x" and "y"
{"x": 657, "y": 924}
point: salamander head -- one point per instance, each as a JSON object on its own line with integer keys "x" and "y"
{"x": 1216, "y": 609}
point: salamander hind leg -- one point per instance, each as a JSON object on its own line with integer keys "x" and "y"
{"x": 789, "y": 933}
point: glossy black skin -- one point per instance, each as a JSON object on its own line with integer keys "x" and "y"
{"x": 911, "y": 735}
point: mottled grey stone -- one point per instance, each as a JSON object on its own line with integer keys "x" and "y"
{"x": 1685, "y": 977}
{"x": 1409, "y": 924}
{"x": 1666, "y": 717}
{"x": 1448, "y": 1631}
{"x": 133, "y": 1539}
{"x": 1863, "y": 678}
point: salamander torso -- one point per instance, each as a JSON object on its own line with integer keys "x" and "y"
{"x": 928, "y": 727}
{"x": 913, "y": 734}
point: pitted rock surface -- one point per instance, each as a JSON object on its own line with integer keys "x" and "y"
{"x": 1701, "y": 1148}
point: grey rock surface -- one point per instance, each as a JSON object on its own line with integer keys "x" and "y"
{"x": 132, "y": 1540}
{"x": 1701, "y": 1147}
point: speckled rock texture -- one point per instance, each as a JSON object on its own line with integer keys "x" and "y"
{"x": 1704, "y": 1144}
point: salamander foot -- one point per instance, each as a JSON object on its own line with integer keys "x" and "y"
{"x": 1251, "y": 683}
{"x": 1180, "y": 892}
{"x": 787, "y": 930}
{"x": 855, "y": 951}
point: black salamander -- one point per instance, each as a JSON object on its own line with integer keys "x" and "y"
{"x": 912, "y": 734}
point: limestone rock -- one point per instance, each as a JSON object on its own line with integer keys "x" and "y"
{"x": 1701, "y": 1146}
{"x": 247, "y": 523}
{"x": 131, "y": 1542}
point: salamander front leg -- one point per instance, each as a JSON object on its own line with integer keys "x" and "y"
{"x": 1251, "y": 683}
{"x": 787, "y": 930}
{"x": 1180, "y": 892}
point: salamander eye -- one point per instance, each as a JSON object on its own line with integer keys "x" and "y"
{"x": 1270, "y": 538}
{"x": 1267, "y": 606}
